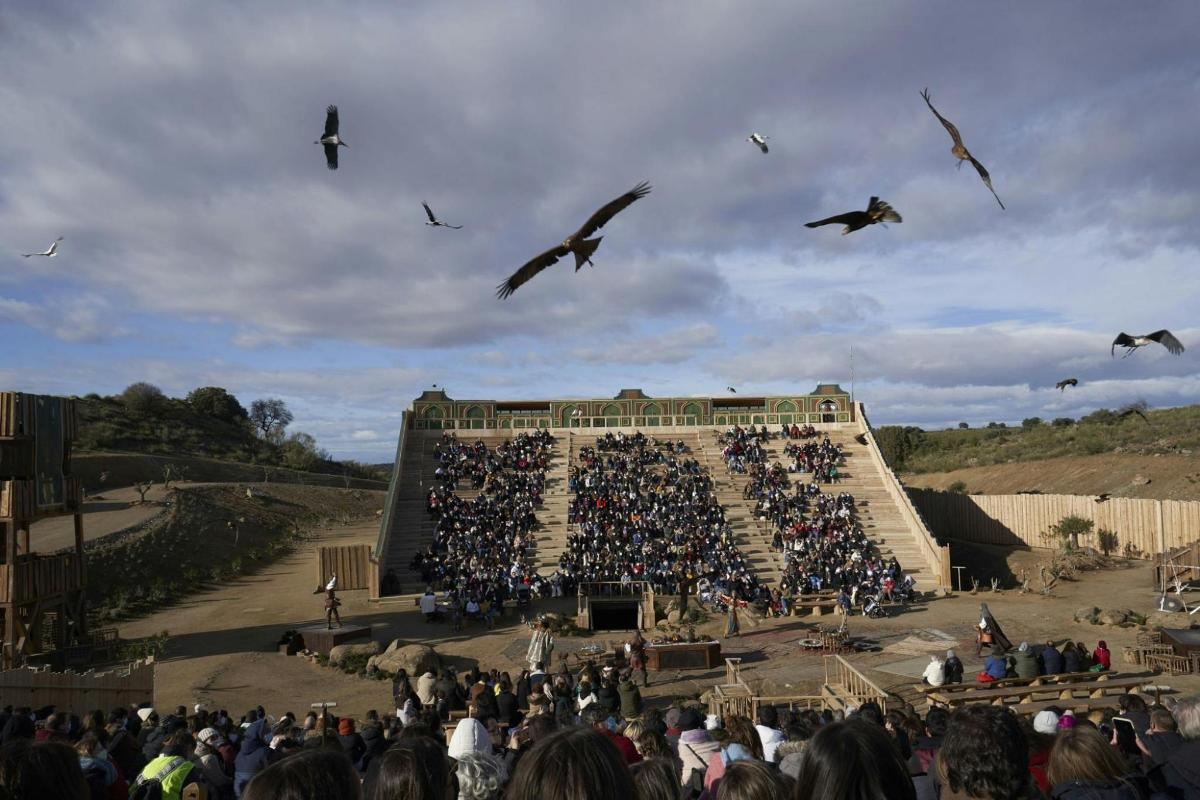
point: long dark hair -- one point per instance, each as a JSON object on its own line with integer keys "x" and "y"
{"x": 577, "y": 763}
{"x": 319, "y": 772}
{"x": 414, "y": 769}
{"x": 852, "y": 760}
{"x": 47, "y": 769}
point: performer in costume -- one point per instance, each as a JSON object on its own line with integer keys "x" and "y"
{"x": 541, "y": 647}
{"x": 989, "y": 633}
{"x": 331, "y": 609}
{"x": 635, "y": 648}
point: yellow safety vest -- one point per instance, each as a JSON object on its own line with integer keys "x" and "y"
{"x": 172, "y": 782}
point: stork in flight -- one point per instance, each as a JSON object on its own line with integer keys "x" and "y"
{"x": 877, "y": 211}
{"x": 434, "y": 221}
{"x": 330, "y": 138}
{"x": 960, "y": 150}
{"x": 731, "y": 390}
{"x": 1131, "y": 343}
{"x": 49, "y": 252}
{"x": 1065, "y": 382}
{"x": 576, "y": 243}
{"x": 760, "y": 140}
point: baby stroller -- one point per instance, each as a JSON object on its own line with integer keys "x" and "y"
{"x": 873, "y": 608}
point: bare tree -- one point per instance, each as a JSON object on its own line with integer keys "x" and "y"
{"x": 141, "y": 489}
{"x": 270, "y": 416}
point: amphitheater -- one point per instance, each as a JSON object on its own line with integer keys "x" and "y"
{"x": 887, "y": 515}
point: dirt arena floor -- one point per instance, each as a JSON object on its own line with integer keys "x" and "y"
{"x": 221, "y": 648}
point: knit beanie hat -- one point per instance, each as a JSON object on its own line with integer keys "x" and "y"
{"x": 1045, "y": 722}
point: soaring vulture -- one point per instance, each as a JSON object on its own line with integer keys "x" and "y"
{"x": 877, "y": 211}
{"x": 49, "y": 252}
{"x": 1131, "y": 343}
{"x": 576, "y": 243}
{"x": 1063, "y": 384}
{"x": 434, "y": 221}
{"x": 960, "y": 150}
{"x": 330, "y": 138}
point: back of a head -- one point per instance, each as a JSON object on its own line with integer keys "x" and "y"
{"x": 853, "y": 760}
{"x": 47, "y": 769}
{"x": 768, "y": 717}
{"x": 481, "y": 776}
{"x": 319, "y": 772}
{"x": 656, "y": 779}
{"x": 1082, "y": 754}
{"x": 576, "y": 763}
{"x": 1187, "y": 717}
{"x": 984, "y": 754}
{"x": 1161, "y": 719}
{"x": 414, "y": 769}
{"x": 752, "y": 780}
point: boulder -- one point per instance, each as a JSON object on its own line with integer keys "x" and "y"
{"x": 339, "y": 654}
{"x": 1140, "y": 480}
{"x": 1088, "y": 614}
{"x": 673, "y": 617}
{"x": 415, "y": 659}
{"x": 1113, "y": 616}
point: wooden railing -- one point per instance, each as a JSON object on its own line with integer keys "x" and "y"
{"x": 852, "y": 684}
{"x": 937, "y": 556}
{"x": 40, "y": 576}
{"x": 633, "y": 589}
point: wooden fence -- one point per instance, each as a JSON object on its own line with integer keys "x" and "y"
{"x": 79, "y": 692}
{"x": 1151, "y": 526}
{"x": 351, "y": 563}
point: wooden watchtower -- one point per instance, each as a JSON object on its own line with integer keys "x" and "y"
{"x": 43, "y": 612}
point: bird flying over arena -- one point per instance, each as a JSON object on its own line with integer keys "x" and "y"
{"x": 1100, "y": 498}
{"x": 49, "y": 252}
{"x": 731, "y": 390}
{"x": 434, "y": 221}
{"x": 1065, "y": 382}
{"x": 861, "y": 438}
{"x": 877, "y": 211}
{"x": 1131, "y": 343}
{"x": 1130, "y": 411}
{"x": 576, "y": 243}
{"x": 330, "y": 138}
{"x": 960, "y": 150}
{"x": 760, "y": 140}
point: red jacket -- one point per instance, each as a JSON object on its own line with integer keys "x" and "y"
{"x": 625, "y": 745}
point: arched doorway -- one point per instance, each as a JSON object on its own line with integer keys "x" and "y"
{"x": 828, "y": 409}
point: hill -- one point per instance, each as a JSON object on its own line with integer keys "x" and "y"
{"x": 1174, "y": 431}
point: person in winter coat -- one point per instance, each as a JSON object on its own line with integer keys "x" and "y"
{"x": 103, "y": 778}
{"x": 1102, "y": 657}
{"x": 253, "y": 756}
{"x": 1083, "y": 766}
{"x": 935, "y": 672}
{"x": 630, "y": 698}
{"x": 694, "y": 748}
{"x": 954, "y": 668}
{"x": 1024, "y": 663}
{"x": 425, "y": 688}
{"x": 150, "y": 737}
{"x": 351, "y": 741}
{"x": 607, "y": 696}
{"x": 216, "y": 772}
{"x": 1072, "y": 658}
{"x": 507, "y": 712}
{"x": 995, "y": 668}
{"x": 1051, "y": 661}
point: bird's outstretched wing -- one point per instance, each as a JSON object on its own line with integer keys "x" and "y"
{"x": 611, "y": 209}
{"x": 331, "y": 121}
{"x": 954, "y": 134}
{"x": 1063, "y": 384}
{"x": 331, "y": 156}
{"x": 1167, "y": 340}
{"x": 531, "y": 268}
{"x": 1131, "y": 411}
{"x": 841, "y": 219}
{"x": 429, "y": 212}
{"x": 731, "y": 390}
{"x": 763, "y": 146}
{"x": 1123, "y": 340}
{"x": 879, "y": 210}
{"x": 987, "y": 179}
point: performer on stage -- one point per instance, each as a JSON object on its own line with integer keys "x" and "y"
{"x": 541, "y": 647}
{"x": 331, "y": 609}
{"x": 989, "y": 633}
{"x": 635, "y": 649}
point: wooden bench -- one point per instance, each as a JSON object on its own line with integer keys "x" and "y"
{"x": 817, "y": 605}
{"x": 1080, "y": 705}
{"x": 1058, "y": 691}
{"x": 1040, "y": 680}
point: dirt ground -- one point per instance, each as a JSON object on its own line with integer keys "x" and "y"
{"x": 107, "y": 513}
{"x": 221, "y": 648}
{"x": 1171, "y": 477}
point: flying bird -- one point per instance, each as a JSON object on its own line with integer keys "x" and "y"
{"x": 861, "y": 438}
{"x": 877, "y": 211}
{"x": 330, "y": 138}
{"x": 960, "y": 150}
{"x": 1131, "y": 343}
{"x": 1100, "y": 498}
{"x": 1064, "y": 383}
{"x": 576, "y": 243}
{"x": 760, "y": 140}
{"x": 434, "y": 221}
{"x": 49, "y": 252}
{"x": 1129, "y": 412}
{"x": 731, "y": 390}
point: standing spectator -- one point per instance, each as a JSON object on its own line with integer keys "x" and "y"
{"x": 1085, "y": 767}
{"x": 768, "y": 731}
{"x": 630, "y": 697}
{"x": 216, "y": 771}
{"x": 984, "y": 756}
{"x": 253, "y": 755}
{"x": 695, "y": 746}
{"x": 854, "y": 760}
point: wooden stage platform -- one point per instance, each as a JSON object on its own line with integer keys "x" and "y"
{"x": 320, "y": 639}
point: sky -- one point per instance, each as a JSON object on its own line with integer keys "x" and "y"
{"x": 172, "y": 145}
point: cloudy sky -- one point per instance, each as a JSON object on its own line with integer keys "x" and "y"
{"x": 206, "y": 243}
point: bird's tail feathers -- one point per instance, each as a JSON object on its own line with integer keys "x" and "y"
{"x": 584, "y": 250}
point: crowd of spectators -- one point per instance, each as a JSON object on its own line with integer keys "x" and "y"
{"x": 645, "y": 510}
{"x": 818, "y": 533}
{"x": 580, "y": 746}
{"x": 480, "y": 556}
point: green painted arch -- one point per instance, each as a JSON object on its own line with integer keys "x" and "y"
{"x": 433, "y": 412}
{"x": 474, "y": 412}
{"x": 652, "y": 410}
{"x": 611, "y": 410}
{"x": 692, "y": 410}
{"x": 785, "y": 405}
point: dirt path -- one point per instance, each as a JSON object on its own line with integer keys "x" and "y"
{"x": 106, "y": 514}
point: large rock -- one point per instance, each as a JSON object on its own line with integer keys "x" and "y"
{"x": 1168, "y": 619}
{"x": 1113, "y": 616}
{"x": 1088, "y": 614}
{"x": 1140, "y": 480}
{"x": 339, "y": 654}
{"x": 414, "y": 659}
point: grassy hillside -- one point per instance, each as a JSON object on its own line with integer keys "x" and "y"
{"x": 1173, "y": 431}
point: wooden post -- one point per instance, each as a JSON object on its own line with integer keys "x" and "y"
{"x": 1162, "y": 543}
